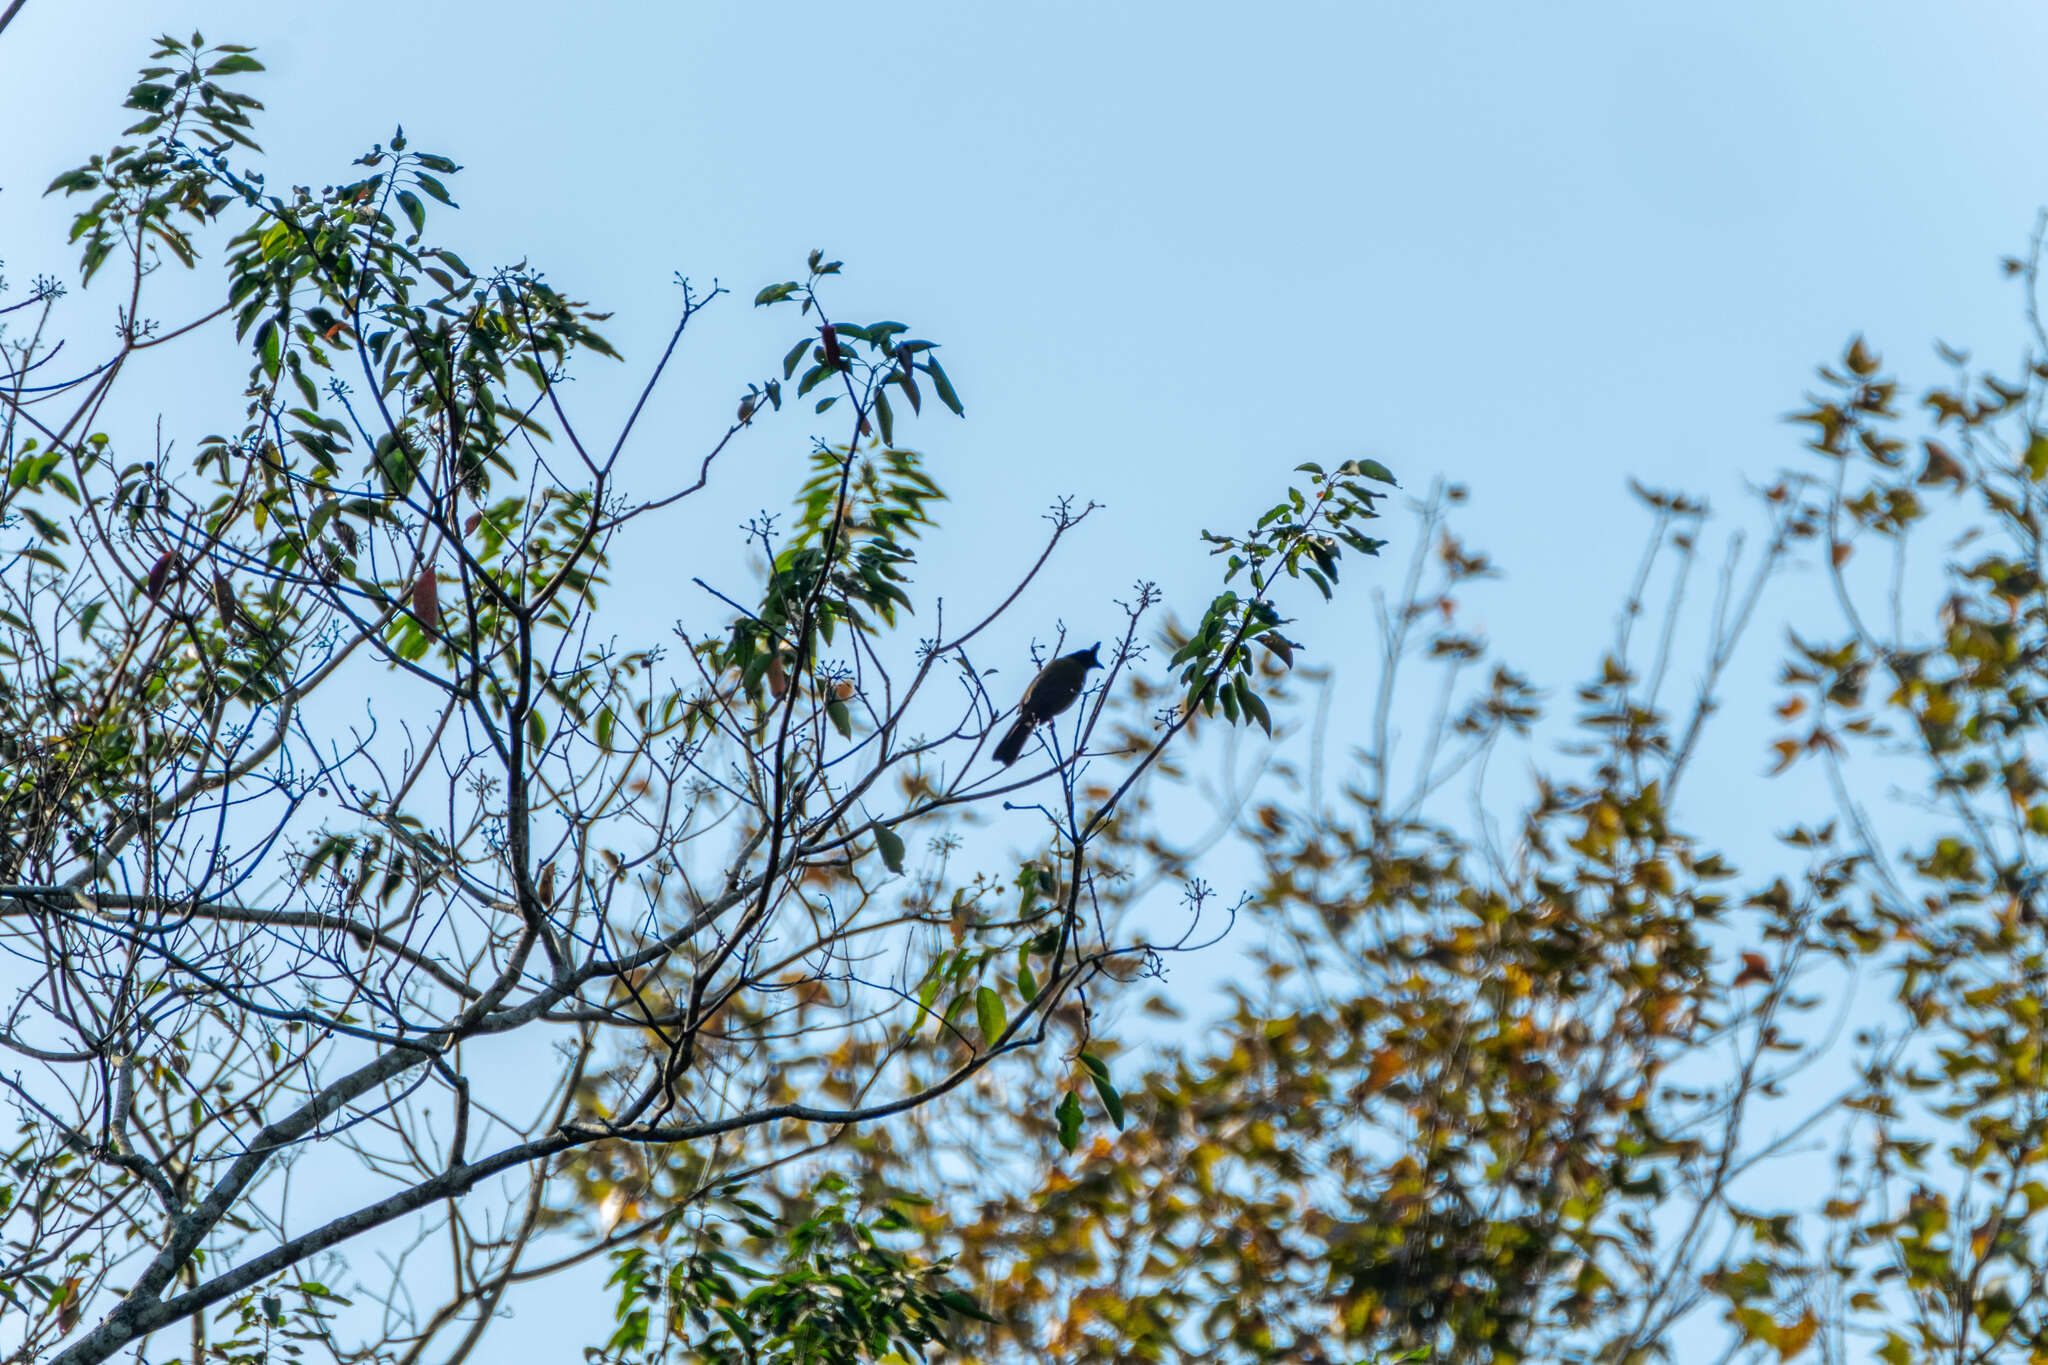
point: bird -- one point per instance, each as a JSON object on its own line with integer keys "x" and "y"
{"x": 1050, "y": 693}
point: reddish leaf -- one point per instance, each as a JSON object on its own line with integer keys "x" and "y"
{"x": 1942, "y": 467}
{"x": 160, "y": 576}
{"x": 426, "y": 599}
{"x": 1754, "y": 969}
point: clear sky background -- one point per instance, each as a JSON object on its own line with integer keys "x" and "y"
{"x": 1173, "y": 250}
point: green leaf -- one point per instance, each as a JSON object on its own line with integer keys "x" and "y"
{"x": 841, "y": 718}
{"x": 322, "y": 514}
{"x": 45, "y": 528}
{"x": 1111, "y": 1101}
{"x": 776, "y": 293}
{"x": 942, "y": 384}
{"x": 891, "y": 845}
{"x": 1069, "y": 1115}
{"x": 270, "y": 341}
{"x": 1256, "y": 709}
{"x": 962, "y": 1304}
{"x": 990, "y": 1014}
{"x": 796, "y": 355}
{"x": 1377, "y": 472}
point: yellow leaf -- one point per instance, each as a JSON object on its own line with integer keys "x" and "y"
{"x": 1796, "y": 1336}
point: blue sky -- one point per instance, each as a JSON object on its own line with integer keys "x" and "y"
{"x": 1173, "y": 250}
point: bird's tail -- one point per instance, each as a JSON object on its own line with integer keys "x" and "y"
{"x": 1013, "y": 742}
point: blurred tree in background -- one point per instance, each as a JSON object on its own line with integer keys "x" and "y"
{"x": 374, "y": 890}
{"x": 1553, "y": 1077}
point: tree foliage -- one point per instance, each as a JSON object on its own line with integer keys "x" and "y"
{"x": 358, "y": 835}
{"x": 356, "y": 828}
{"x": 1608, "y": 1071}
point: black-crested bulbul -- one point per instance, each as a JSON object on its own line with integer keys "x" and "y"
{"x": 1050, "y": 693}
